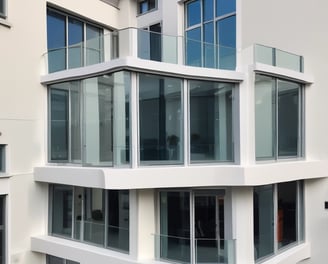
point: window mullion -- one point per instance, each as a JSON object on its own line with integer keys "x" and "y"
{"x": 275, "y": 218}
{"x": 192, "y": 229}
{"x": 276, "y": 119}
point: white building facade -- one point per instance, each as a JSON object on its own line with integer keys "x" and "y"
{"x": 163, "y": 131}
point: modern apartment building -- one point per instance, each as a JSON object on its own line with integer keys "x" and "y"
{"x": 163, "y": 131}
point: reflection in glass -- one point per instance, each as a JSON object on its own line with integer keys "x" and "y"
{"x": 211, "y": 136}
{"x": 175, "y": 226}
{"x": 226, "y": 32}
{"x": 193, "y": 13}
{"x": 194, "y": 47}
{"x": 263, "y": 219}
{"x": 75, "y": 38}
{"x": 287, "y": 213}
{"x": 56, "y": 38}
{"x": 75, "y": 122}
{"x": 160, "y": 117}
{"x": 209, "y": 46}
{"x": 59, "y": 124}
{"x": 118, "y": 219}
{"x": 288, "y": 118}
{"x": 265, "y": 117}
{"x": 94, "y": 216}
{"x": 62, "y": 210}
{"x": 224, "y": 7}
{"x": 94, "y": 49}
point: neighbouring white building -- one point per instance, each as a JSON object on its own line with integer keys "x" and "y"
{"x": 163, "y": 131}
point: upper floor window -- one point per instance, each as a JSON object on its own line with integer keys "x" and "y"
{"x": 3, "y": 229}
{"x": 72, "y": 42}
{"x": 103, "y": 137}
{"x": 278, "y": 118}
{"x": 56, "y": 260}
{"x": 90, "y": 215}
{"x": 278, "y": 217}
{"x": 146, "y": 5}
{"x": 3, "y": 9}
{"x": 211, "y": 33}
{"x": 2, "y": 158}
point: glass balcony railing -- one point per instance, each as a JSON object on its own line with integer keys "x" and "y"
{"x": 279, "y": 58}
{"x": 142, "y": 44}
{"x": 200, "y": 250}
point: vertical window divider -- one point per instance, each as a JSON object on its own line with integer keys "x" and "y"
{"x": 275, "y": 218}
{"x": 82, "y": 215}
{"x": 134, "y": 113}
{"x": 73, "y": 213}
{"x": 69, "y": 141}
{"x": 192, "y": 227}
{"x": 83, "y": 124}
{"x": 67, "y": 43}
{"x": 106, "y": 219}
{"x": 276, "y": 134}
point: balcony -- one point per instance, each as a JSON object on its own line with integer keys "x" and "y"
{"x": 142, "y": 44}
{"x": 201, "y": 250}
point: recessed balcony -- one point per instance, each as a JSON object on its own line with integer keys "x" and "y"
{"x": 141, "y": 44}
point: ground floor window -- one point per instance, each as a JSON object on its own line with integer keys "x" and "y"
{"x": 95, "y": 216}
{"x": 192, "y": 227}
{"x": 278, "y": 217}
{"x": 56, "y": 260}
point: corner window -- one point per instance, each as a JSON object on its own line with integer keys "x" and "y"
{"x": 146, "y": 5}
{"x": 211, "y": 121}
{"x": 56, "y": 260}
{"x": 72, "y": 42}
{"x": 278, "y": 118}
{"x": 2, "y": 158}
{"x": 3, "y": 9}
{"x": 103, "y": 103}
{"x": 90, "y": 215}
{"x": 211, "y": 33}
{"x": 278, "y": 217}
{"x": 160, "y": 120}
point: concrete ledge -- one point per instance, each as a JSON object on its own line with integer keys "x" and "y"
{"x": 190, "y": 176}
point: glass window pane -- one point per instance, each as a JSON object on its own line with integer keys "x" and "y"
{"x": 224, "y": 7}
{"x": 2, "y": 8}
{"x": 193, "y": 13}
{"x": 62, "y": 210}
{"x": 56, "y": 38}
{"x": 207, "y": 10}
{"x": 94, "y": 216}
{"x": 160, "y": 116}
{"x": 75, "y": 43}
{"x": 94, "y": 45}
{"x": 54, "y": 260}
{"x": 2, "y": 229}
{"x": 265, "y": 121}
{"x": 98, "y": 116}
{"x": 155, "y": 42}
{"x": 59, "y": 124}
{"x": 75, "y": 122}
{"x": 287, "y": 214}
{"x": 209, "y": 47}
{"x": 118, "y": 219}
{"x": 78, "y": 204}
{"x": 226, "y": 32}
{"x": 263, "y": 221}
{"x": 288, "y": 118}
{"x": 194, "y": 47}
{"x": 211, "y": 135}
{"x": 175, "y": 226}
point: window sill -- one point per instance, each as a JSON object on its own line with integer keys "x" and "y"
{"x": 5, "y": 23}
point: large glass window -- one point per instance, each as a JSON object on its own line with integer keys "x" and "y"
{"x": 2, "y": 9}
{"x": 192, "y": 227}
{"x": 160, "y": 117}
{"x": 146, "y": 5}
{"x": 57, "y": 260}
{"x": 278, "y": 118}
{"x": 103, "y": 138}
{"x": 211, "y": 122}
{"x": 72, "y": 42}
{"x": 278, "y": 217}
{"x": 91, "y": 215}
{"x": 211, "y": 33}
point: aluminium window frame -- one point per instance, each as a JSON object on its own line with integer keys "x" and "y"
{"x": 300, "y": 221}
{"x": 301, "y": 120}
{"x": 201, "y": 25}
